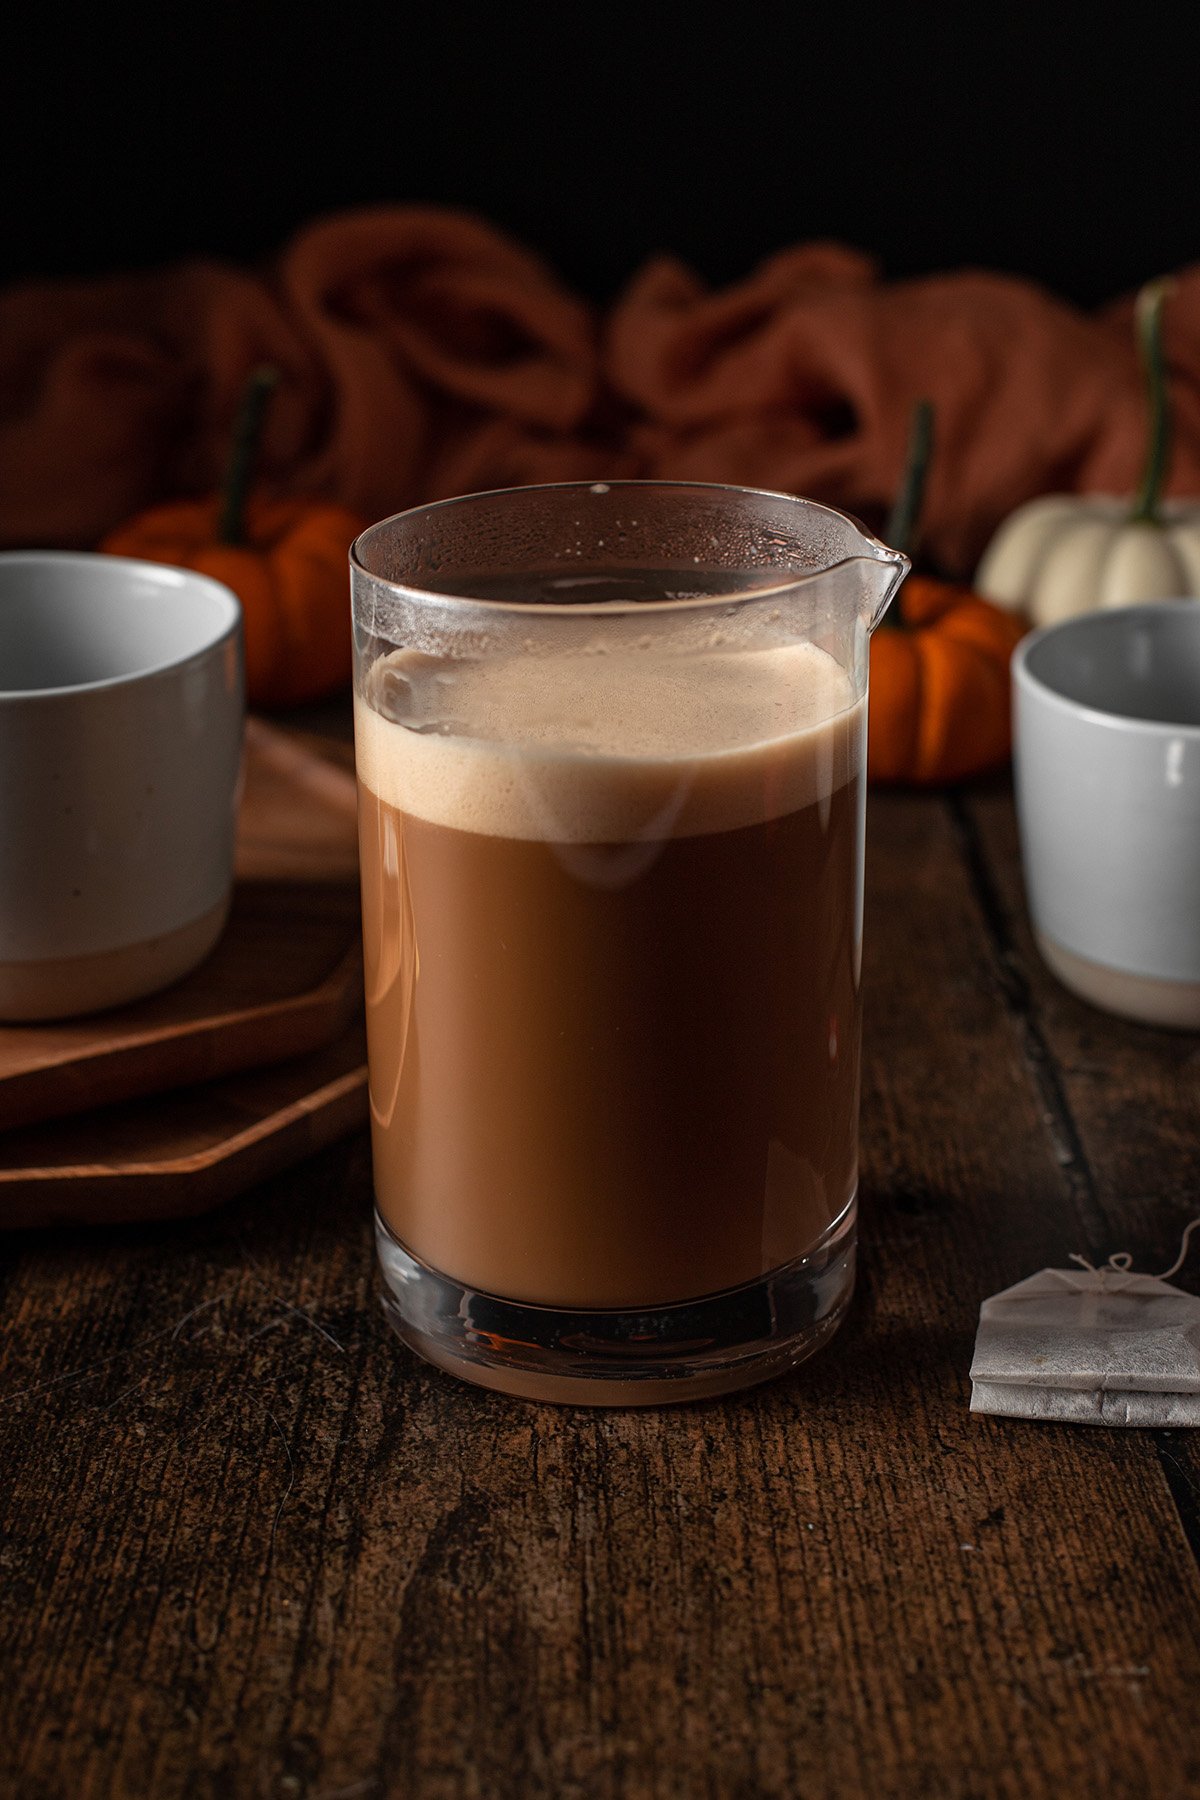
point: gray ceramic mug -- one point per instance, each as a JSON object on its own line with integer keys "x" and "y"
{"x": 1107, "y": 757}
{"x": 120, "y": 747}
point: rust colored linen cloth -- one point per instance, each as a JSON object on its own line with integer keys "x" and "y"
{"x": 424, "y": 354}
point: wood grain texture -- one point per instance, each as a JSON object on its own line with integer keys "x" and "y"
{"x": 250, "y": 1546}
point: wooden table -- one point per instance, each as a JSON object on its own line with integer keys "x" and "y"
{"x": 250, "y": 1546}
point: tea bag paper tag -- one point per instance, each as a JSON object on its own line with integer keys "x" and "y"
{"x": 1091, "y": 1347}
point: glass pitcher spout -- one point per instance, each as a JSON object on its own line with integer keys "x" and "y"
{"x": 859, "y": 574}
{"x": 885, "y": 570}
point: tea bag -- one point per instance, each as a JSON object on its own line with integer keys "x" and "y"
{"x": 1091, "y": 1347}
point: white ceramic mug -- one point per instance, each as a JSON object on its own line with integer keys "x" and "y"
{"x": 120, "y": 743}
{"x": 1107, "y": 756}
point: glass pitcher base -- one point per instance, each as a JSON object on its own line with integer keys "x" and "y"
{"x": 649, "y": 1356}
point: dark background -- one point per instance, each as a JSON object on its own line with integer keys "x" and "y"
{"x": 1057, "y": 141}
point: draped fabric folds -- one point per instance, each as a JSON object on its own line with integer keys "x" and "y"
{"x": 422, "y": 354}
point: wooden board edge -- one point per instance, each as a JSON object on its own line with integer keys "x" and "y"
{"x": 225, "y": 1044}
{"x": 85, "y": 1194}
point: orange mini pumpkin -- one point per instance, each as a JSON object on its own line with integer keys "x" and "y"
{"x": 286, "y": 560}
{"x": 940, "y": 684}
{"x": 940, "y": 699}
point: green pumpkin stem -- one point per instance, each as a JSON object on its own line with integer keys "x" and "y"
{"x": 1149, "y": 312}
{"x": 902, "y": 524}
{"x": 247, "y": 435}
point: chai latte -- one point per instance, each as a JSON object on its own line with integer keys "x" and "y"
{"x": 612, "y": 968}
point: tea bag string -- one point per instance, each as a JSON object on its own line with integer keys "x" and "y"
{"x": 1183, "y": 1250}
{"x": 1121, "y": 1263}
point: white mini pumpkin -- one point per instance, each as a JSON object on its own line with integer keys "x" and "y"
{"x": 1070, "y": 553}
{"x": 1066, "y": 554}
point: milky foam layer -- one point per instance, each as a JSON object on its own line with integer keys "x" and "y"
{"x": 608, "y": 749}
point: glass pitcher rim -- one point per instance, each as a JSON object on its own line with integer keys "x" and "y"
{"x": 874, "y": 552}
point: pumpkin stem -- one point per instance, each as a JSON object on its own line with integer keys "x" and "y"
{"x": 1149, "y": 312}
{"x": 902, "y": 523}
{"x": 247, "y": 433}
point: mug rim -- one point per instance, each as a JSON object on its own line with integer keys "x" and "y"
{"x": 178, "y": 577}
{"x": 1034, "y": 685}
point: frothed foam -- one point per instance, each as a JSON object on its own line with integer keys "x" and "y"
{"x": 608, "y": 749}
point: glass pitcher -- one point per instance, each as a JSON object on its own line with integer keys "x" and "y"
{"x": 611, "y": 746}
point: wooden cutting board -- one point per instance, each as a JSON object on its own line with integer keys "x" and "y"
{"x": 285, "y": 978}
{"x": 182, "y": 1153}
